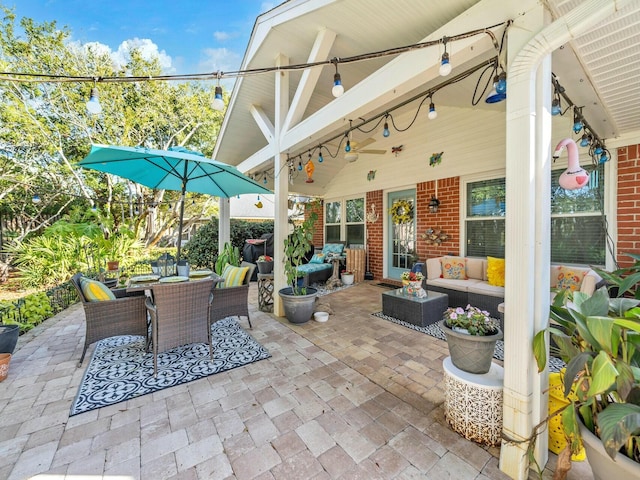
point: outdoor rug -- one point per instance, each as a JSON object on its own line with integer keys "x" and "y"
{"x": 121, "y": 369}
{"x": 555, "y": 364}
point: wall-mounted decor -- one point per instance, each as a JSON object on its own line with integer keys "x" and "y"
{"x": 372, "y": 216}
{"x": 396, "y": 150}
{"x": 435, "y": 159}
{"x": 401, "y": 212}
{"x": 371, "y": 175}
{"x": 434, "y": 236}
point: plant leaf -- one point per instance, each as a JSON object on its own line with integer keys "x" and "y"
{"x": 540, "y": 350}
{"x": 618, "y": 423}
{"x": 603, "y": 374}
{"x": 574, "y": 367}
{"x": 571, "y": 428}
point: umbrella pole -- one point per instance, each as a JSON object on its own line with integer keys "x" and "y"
{"x": 180, "y": 227}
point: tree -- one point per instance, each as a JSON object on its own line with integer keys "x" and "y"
{"x": 45, "y": 130}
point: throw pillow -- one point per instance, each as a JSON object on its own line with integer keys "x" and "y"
{"x": 233, "y": 276}
{"x": 569, "y": 279}
{"x": 495, "y": 271}
{"x": 95, "y": 291}
{"x": 317, "y": 258}
{"x": 454, "y": 268}
{"x": 336, "y": 248}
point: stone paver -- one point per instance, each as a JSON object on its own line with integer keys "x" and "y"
{"x": 355, "y": 397}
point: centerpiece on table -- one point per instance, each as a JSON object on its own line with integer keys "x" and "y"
{"x": 412, "y": 284}
{"x": 265, "y": 264}
{"x": 471, "y": 335}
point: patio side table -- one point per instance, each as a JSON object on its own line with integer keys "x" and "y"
{"x": 265, "y": 292}
{"x": 473, "y": 403}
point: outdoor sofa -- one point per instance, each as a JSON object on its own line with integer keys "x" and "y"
{"x": 319, "y": 267}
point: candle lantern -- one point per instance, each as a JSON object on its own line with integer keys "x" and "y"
{"x": 166, "y": 265}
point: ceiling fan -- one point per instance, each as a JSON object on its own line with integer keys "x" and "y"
{"x": 358, "y": 148}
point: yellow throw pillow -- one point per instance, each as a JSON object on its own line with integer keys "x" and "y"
{"x": 569, "y": 279}
{"x": 233, "y": 276}
{"x": 95, "y": 291}
{"x": 454, "y": 268}
{"x": 495, "y": 271}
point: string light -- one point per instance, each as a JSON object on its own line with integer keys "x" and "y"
{"x": 337, "y": 89}
{"x": 445, "y": 65}
{"x": 385, "y": 128}
{"x": 93, "y": 105}
{"x": 433, "y": 114}
{"x": 577, "y": 119}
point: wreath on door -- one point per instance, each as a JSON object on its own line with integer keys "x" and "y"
{"x": 401, "y": 212}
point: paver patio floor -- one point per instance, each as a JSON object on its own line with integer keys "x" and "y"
{"x": 356, "y": 397}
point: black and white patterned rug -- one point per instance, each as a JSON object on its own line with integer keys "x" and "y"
{"x": 555, "y": 364}
{"x": 121, "y": 369}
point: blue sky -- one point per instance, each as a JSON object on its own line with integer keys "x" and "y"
{"x": 191, "y": 36}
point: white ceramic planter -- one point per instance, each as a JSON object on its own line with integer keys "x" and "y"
{"x": 347, "y": 279}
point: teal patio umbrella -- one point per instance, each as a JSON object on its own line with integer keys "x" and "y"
{"x": 176, "y": 169}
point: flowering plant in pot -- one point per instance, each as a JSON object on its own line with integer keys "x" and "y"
{"x": 265, "y": 264}
{"x": 412, "y": 276}
{"x": 471, "y": 336}
{"x": 598, "y": 337}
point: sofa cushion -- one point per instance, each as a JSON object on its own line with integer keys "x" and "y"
{"x": 483, "y": 288}
{"x": 476, "y": 268}
{"x": 95, "y": 291}
{"x": 434, "y": 268}
{"x": 570, "y": 278}
{"x": 590, "y": 282}
{"x": 333, "y": 248}
{"x": 460, "y": 285}
{"x": 454, "y": 268}
{"x": 495, "y": 271}
{"x": 318, "y": 258}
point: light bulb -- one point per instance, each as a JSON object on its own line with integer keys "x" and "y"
{"x": 347, "y": 147}
{"x": 385, "y": 130}
{"x": 36, "y": 198}
{"x": 501, "y": 86}
{"x": 93, "y": 105}
{"x": 432, "y": 112}
{"x": 585, "y": 140}
{"x": 320, "y": 159}
{"x": 494, "y": 96}
{"x": 337, "y": 89}
{"x": 264, "y": 180}
{"x": 218, "y": 102}
{"x": 299, "y": 166}
{"x": 598, "y": 150}
{"x": 604, "y": 157}
{"x": 556, "y": 108}
{"x": 445, "y": 66}
{"x": 577, "y": 126}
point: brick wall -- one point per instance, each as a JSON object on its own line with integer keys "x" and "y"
{"x": 374, "y": 233}
{"x": 628, "y": 204}
{"x": 447, "y": 218}
{"x": 318, "y": 228}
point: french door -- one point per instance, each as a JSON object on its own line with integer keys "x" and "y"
{"x": 401, "y": 232}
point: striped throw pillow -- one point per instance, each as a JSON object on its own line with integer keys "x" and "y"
{"x": 95, "y": 291}
{"x": 233, "y": 276}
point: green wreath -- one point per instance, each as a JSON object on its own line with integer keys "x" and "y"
{"x": 401, "y": 212}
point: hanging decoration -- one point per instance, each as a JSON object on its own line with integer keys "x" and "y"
{"x": 371, "y": 175}
{"x": 434, "y": 237}
{"x": 396, "y": 150}
{"x": 435, "y": 159}
{"x": 401, "y": 212}
{"x": 574, "y": 177}
{"x": 309, "y": 168}
{"x": 372, "y": 216}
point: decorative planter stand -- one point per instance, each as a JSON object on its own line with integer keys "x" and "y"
{"x": 265, "y": 292}
{"x": 473, "y": 403}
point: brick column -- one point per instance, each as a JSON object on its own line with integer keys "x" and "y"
{"x": 628, "y": 204}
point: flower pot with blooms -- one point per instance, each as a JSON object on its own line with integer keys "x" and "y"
{"x": 471, "y": 335}
{"x": 347, "y": 277}
{"x": 409, "y": 277}
{"x": 265, "y": 264}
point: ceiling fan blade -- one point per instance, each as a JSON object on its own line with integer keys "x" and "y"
{"x": 374, "y": 152}
{"x": 365, "y": 142}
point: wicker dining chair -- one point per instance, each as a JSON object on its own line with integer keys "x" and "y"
{"x": 233, "y": 301}
{"x": 126, "y": 315}
{"x": 180, "y": 315}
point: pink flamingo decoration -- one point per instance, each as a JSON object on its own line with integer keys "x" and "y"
{"x": 574, "y": 177}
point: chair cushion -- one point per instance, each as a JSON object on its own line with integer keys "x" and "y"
{"x": 318, "y": 258}
{"x": 313, "y": 267}
{"x": 233, "y": 276}
{"x": 95, "y": 291}
{"x": 454, "y": 268}
{"x": 495, "y": 271}
{"x": 333, "y": 248}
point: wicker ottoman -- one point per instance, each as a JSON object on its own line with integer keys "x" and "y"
{"x": 418, "y": 311}
{"x": 473, "y": 403}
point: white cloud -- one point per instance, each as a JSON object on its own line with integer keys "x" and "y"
{"x": 148, "y": 50}
{"x": 221, "y": 36}
{"x": 219, "y": 59}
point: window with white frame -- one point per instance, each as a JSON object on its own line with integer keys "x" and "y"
{"x": 578, "y": 224}
{"x": 345, "y": 219}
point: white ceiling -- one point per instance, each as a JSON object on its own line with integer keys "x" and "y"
{"x": 600, "y": 70}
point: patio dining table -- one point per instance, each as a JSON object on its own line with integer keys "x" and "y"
{"x": 139, "y": 285}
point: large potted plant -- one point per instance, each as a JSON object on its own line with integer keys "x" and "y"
{"x": 471, "y": 336}
{"x": 598, "y": 337}
{"x": 298, "y": 300}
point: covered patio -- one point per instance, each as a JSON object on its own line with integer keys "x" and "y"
{"x": 356, "y": 397}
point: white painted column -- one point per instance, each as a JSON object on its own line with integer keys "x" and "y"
{"x": 528, "y": 220}
{"x": 281, "y": 184}
{"x": 224, "y": 225}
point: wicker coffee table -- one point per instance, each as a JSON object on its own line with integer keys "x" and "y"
{"x": 418, "y": 311}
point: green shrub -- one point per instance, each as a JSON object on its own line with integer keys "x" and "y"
{"x": 27, "y": 312}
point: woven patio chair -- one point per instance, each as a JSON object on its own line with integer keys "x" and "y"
{"x": 233, "y": 301}
{"x": 126, "y": 315}
{"x": 180, "y": 315}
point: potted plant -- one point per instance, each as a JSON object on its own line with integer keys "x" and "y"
{"x": 347, "y": 277}
{"x": 265, "y": 264}
{"x": 230, "y": 255}
{"x": 471, "y": 336}
{"x": 598, "y": 337}
{"x": 298, "y": 300}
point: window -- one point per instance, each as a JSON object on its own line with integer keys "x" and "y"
{"x": 347, "y": 223}
{"x": 578, "y": 226}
